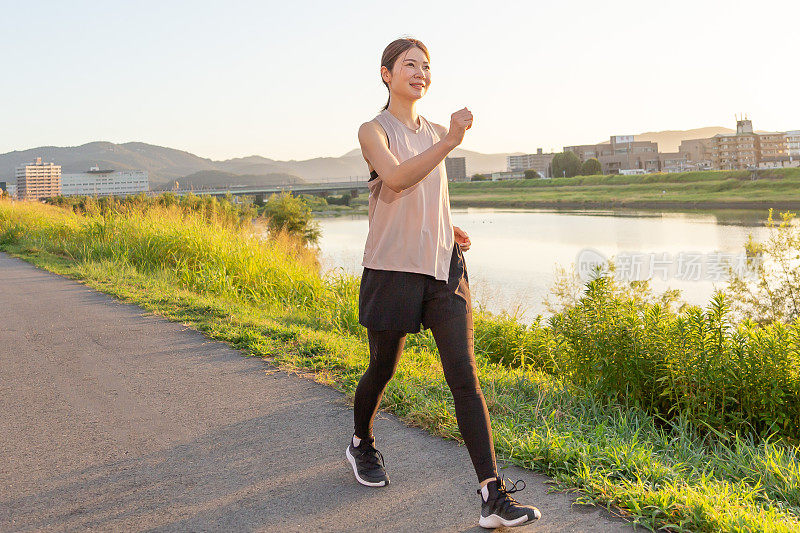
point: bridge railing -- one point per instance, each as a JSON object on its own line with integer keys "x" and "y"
{"x": 298, "y": 187}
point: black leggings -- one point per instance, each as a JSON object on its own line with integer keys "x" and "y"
{"x": 454, "y": 339}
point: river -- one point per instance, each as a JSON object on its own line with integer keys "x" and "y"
{"x": 512, "y": 261}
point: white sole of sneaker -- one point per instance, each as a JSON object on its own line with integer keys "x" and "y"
{"x": 352, "y": 462}
{"x": 493, "y": 521}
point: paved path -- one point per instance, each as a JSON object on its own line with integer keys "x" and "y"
{"x": 115, "y": 419}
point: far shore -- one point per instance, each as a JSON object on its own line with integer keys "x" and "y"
{"x": 730, "y": 190}
{"x": 590, "y": 204}
{"x": 733, "y": 204}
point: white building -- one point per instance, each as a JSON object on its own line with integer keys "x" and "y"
{"x": 793, "y": 144}
{"x": 518, "y": 175}
{"x": 38, "y": 180}
{"x": 517, "y": 162}
{"x": 105, "y": 182}
{"x": 539, "y": 162}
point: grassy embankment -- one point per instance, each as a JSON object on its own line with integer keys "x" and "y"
{"x": 680, "y": 420}
{"x": 778, "y": 188}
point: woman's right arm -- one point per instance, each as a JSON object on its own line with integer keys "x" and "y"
{"x": 400, "y": 176}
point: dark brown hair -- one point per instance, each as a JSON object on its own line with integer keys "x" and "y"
{"x": 393, "y": 51}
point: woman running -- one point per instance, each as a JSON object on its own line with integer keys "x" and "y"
{"x": 415, "y": 275}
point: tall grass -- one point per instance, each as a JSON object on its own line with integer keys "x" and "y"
{"x": 697, "y": 364}
{"x": 692, "y": 363}
{"x": 220, "y": 210}
{"x": 208, "y": 254}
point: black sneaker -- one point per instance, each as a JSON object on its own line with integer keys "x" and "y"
{"x": 499, "y": 509}
{"x": 367, "y": 463}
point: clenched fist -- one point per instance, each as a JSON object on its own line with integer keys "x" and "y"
{"x": 460, "y": 122}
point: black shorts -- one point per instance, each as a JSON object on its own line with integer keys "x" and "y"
{"x": 404, "y": 301}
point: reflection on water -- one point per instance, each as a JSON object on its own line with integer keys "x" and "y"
{"x": 511, "y": 263}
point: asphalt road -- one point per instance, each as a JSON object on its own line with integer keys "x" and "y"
{"x": 114, "y": 419}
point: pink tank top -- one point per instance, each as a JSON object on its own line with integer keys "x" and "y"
{"x": 410, "y": 231}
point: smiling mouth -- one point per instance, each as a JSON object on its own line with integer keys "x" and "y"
{"x": 418, "y": 85}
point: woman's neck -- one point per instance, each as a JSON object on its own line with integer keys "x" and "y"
{"x": 405, "y": 111}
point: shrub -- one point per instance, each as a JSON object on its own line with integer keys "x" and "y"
{"x": 591, "y": 167}
{"x": 339, "y": 200}
{"x": 774, "y": 295}
{"x": 288, "y": 213}
{"x": 565, "y": 164}
{"x": 531, "y": 174}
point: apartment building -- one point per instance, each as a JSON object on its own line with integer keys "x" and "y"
{"x": 772, "y": 146}
{"x": 105, "y": 182}
{"x": 675, "y": 162}
{"x": 698, "y": 151}
{"x": 456, "y": 168}
{"x": 540, "y": 162}
{"x": 622, "y": 152}
{"x": 746, "y": 149}
{"x": 793, "y": 144}
{"x": 38, "y": 180}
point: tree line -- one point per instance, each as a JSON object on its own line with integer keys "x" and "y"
{"x": 567, "y": 164}
{"x": 563, "y": 165}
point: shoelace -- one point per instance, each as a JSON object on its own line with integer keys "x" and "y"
{"x": 371, "y": 454}
{"x": 504, "y": 492}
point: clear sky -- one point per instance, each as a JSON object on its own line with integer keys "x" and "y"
{"x": 294, "y": 80}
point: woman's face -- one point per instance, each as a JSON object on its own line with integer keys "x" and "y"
{"x": 410, "y": 76}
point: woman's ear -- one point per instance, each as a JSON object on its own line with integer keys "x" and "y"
{"x": 385, "y": 74}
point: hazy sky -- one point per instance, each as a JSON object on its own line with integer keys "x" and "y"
{"x": 294, "y": 80}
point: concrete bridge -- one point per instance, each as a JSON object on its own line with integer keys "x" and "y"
{"x": 261, "y": 192}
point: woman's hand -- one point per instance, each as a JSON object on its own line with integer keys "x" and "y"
{"x": 462, "y": 239}
{"x": 460, "y": 122}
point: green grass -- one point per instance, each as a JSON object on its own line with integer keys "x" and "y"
{"x": 691, "y": 189}
{"x": 266, "y": 298}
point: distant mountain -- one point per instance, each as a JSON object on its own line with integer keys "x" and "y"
{"x": 478, "y": 163}
{"x": 166, "y": 165}
{"x": 163, "y": 164}
{"x": 670, "y": 140}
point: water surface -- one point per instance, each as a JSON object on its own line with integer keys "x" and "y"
{"x": 514, "y": 254}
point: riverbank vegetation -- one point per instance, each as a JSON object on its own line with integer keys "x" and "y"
{"x": 678, "y": 417}
{"x": 336, "y": 205}
{"x": 765, "y": 188}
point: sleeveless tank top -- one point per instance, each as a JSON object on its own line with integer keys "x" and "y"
{"x": 410, "y": 231}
